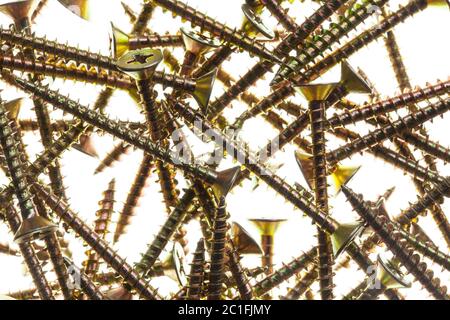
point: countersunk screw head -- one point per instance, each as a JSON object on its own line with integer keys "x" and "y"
{"x": 119, "y": 41}
{"x": 17, "y": 10}
{"x": 34, "y": 228}
{"x": 197, "y": 42}
{"x": 256, "y": 22}
{"x": 316, "y": 92}
{"x": 352, "y": 81}
{"x": 140, "y": 64}
{"x": 390, "y": 275}
{"x": 244, "y": 243}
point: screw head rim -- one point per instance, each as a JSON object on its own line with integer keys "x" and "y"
{"x": 140, "y": 64}
{"x": 256, "y": 21}
{"x": 200, "y": 38}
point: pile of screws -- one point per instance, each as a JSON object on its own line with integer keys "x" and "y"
{"x": 199, "y": 249}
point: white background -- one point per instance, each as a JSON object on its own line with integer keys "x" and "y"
{"x": 423, "y": 41}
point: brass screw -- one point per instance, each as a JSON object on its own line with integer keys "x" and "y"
{"x": 196, "y": 275}
{"x": 302, "y": 286}
{"x": 317, "y": 95}
{"x": 281, "y": 14}
{"x": 113, "y": 156}
{"x": 135, "y": 193}
{"x": 218, "y": 29}
{"x": 33, "y": 226}
{"x": 391, "y": 239}
{"x": 54, "y": 48}
{"x": 389, "y": 105}
{"x": 167, "y": 231}
{"x": 321, "y": 42}
{"x": 96, "y": 243}
{"x": 285, "y": 272}
{"x": 239, "y": 275}
{"x": 101, "y": 224}
{"x": 406, "y": 123}
{"x": 261, "y": 68}
{"x": 118, "y": 130}
{"x": 88, "y": 287}
{"x": 28, "y": 254}
{"x": 218, "y": 251}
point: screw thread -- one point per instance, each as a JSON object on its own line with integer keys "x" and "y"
{"x": 45, "y": 129}
{"x": 54, "y": 251}
{"x": 430, "y": 198}
{"x": 302, "y": 32}
{"x": 326, "y": 261}
{"x": 281, "y": 15}
{"x": 245, "y": 82}
{"x": 29, "y": 256}
{"x": 197, "y": 273}
{"x": 284, "y": 273}
{"x": 169, "y": 228}
{"x": 171, "y": 61}
{"x": 113, "y": 156}
{"x": 143, "y": 18}
{"x": 101, "y": 225}
{"x": 54, "y": 48}
{"x": 155, "y": 40}
{"x": 102, "y": 100}
{"x": 16, "y": 169}
{"x": 396, "y": 60}
{"x": 217, "y": 58}
{"x": 323, "y": 41}
{"x": 57, "y": 125}
{"x": 397, "y": 127}
{"x": 389, "y": 105}
{"x": 96, "y": 243}
{"x": 68, "y": 71}
{"x": 135, "y": 193}
{"x": 218, "y": 29}
{"x": 302, "y": 286}
{"x": 90, "y": 289}
{"x": 393, "y": 241}
{"x": 189, "y": 63}
{"x": 118, "y": 130}
{"x": 168, "y": 183}
{"x": 239, "y": 275}
{"x": 218, "y": 250}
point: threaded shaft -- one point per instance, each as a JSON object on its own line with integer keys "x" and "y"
{"x": 97, "y": 244}
{"x": 169, "y": 228}
{"x": 29, "y": 256}
{"x": 218, "y": 250}
{"x": 392, "y": 239}
{"x": 284, "y": 273}
{"x": 196, "y": 276}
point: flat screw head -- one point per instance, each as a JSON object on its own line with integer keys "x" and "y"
{"x": 255, "y": 22}
{"x": 17, "y": 9}
{"x": 316, "y": 92}
{"x": 140, "y": 64}
{"x": 266, "y": 226}
{"x": 197, "y": 42}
